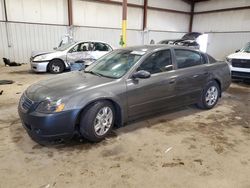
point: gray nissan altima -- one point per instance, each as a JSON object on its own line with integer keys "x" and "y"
{"x": 121, "y": 86}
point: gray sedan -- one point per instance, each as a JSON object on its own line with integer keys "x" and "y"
{"x": 121, "y": 86}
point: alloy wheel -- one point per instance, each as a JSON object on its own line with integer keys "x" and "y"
{"x": 103, "y": 121}
{"x": 211, "y": 96}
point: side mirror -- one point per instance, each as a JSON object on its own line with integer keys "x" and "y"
{"x": 237, "y": 51}
{"x": 141, "y": 74}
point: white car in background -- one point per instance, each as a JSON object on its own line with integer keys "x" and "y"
{"x": 240, "y": 63}
{"x": 61, "y": 58}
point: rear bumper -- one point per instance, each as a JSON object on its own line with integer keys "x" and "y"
{"x": 39, "y": 66}
{"x": 49, "y": 127}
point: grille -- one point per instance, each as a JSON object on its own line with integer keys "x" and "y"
{"x": 26, "y": 103}
{"x": 240, "y": 74}
{"x": 241, "y": 63}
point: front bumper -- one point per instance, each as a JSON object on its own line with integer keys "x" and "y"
{"x": 240, "y": 72}
{"x": 49, "y": 127}
{"x": 39, "y": 66}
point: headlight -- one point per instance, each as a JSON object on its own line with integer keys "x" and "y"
{"x": 49, "y": 106}
{"x": 40, "y": 58}
{"x": 229, "y": 60}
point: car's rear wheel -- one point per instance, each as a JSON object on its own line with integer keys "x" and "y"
{"x": 209, "y": 96}
{"x": 97, "y": 121}
{"x": 56, "y": 66}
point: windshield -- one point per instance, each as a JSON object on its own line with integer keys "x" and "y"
{"x": 246, "y": 48}
{"x": 115, "y": 64}
{"x": 65, "y": 47}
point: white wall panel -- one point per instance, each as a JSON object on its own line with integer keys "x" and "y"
{"x": 2, "y": 17}
{"x": 223, "y": 21}
{"x": 165, "y": 21}
{"x": 40, "y": 11}
{"x": 170, "y": 4}
{"x": 25, "y": 38}
{"x": 111, "y": 36}
{"x": 96, "y": 14}
{"x": 220, "y": 45}
{"x": 105, "y": 15}
{"x": 220, "y": 4}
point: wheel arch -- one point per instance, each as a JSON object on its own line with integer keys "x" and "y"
{"x": 117, "y": 107}
{"x": 55, "y": 59}
{"x": 219, "y": 84}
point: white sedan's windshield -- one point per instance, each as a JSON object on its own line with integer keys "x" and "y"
{"x": 246, "y": 48}
{"x": 115, "y": 64}
{"x": 65, "y": 47}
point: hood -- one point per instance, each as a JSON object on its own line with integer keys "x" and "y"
{"x": 65, "y": 85}
{"x": 191, "y": 36}
{"x": 240, "y": 55}
{"x": 36, "y": 53}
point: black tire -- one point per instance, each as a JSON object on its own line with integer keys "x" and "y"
{"x": 89, "y": 119}
{"x": 56, "y": 66}
{"x": 203, "y": 103}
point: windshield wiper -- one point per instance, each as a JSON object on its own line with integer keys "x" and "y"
{"x": 94, "y": 73}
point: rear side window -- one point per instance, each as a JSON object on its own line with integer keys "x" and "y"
{"x": 157, "y": 62}
{"x": 100, "y": 47}
{"x": 188, "y": 58}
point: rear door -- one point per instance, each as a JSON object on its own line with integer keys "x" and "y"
{"x": 191, "y": 75}
{"x": 99, "y": 49}
{"x": 154, "y": 93}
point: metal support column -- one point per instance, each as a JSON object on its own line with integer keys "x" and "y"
{"x": 124, "y": 23}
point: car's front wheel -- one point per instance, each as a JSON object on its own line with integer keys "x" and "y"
{"x": 209, "y": 96}
{"x": 56, "y": 66}
{"x": 97, "y": 121}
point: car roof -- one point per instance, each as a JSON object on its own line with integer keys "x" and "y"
{"x": 91, "y": 41}
{"x": 155, "y": 47}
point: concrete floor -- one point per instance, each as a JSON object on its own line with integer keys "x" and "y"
{"x": 184, "y": 148}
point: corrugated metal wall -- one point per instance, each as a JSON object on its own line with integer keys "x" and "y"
{"x": 228, "y": 30}
{"x": 25, "y": 38}
{"x": 47, "y": 22}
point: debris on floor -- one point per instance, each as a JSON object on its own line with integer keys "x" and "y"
{"x": 3, "y": 82}
{"x": 1, "y": 92}
{"x": 7, "y": 62}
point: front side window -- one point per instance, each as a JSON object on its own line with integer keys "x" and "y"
{"x": 115, "y": 64}
{"x": 157, "y": 62}
{"x": 188, "y": 58}
{"x": 82, "y": 47}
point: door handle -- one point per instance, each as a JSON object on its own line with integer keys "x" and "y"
{"x": 206, "y": 73}
{"x": 196, "y": 75}
{"x": 172, "y": 81}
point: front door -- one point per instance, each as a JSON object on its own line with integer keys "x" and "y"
{"x": 154, "y": 93}
{"x": 79, "y": 52}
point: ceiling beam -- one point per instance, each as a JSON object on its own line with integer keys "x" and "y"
{"x": 223, "y": 10}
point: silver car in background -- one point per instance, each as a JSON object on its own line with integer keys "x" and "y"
{"x": 60, "y": 59}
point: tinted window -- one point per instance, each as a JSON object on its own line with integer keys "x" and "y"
{"x": 187, "y": 58}
{"x": 157, "y": 62}
{"x": 82, "y": 47}
{"x": 100, "y": 47}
